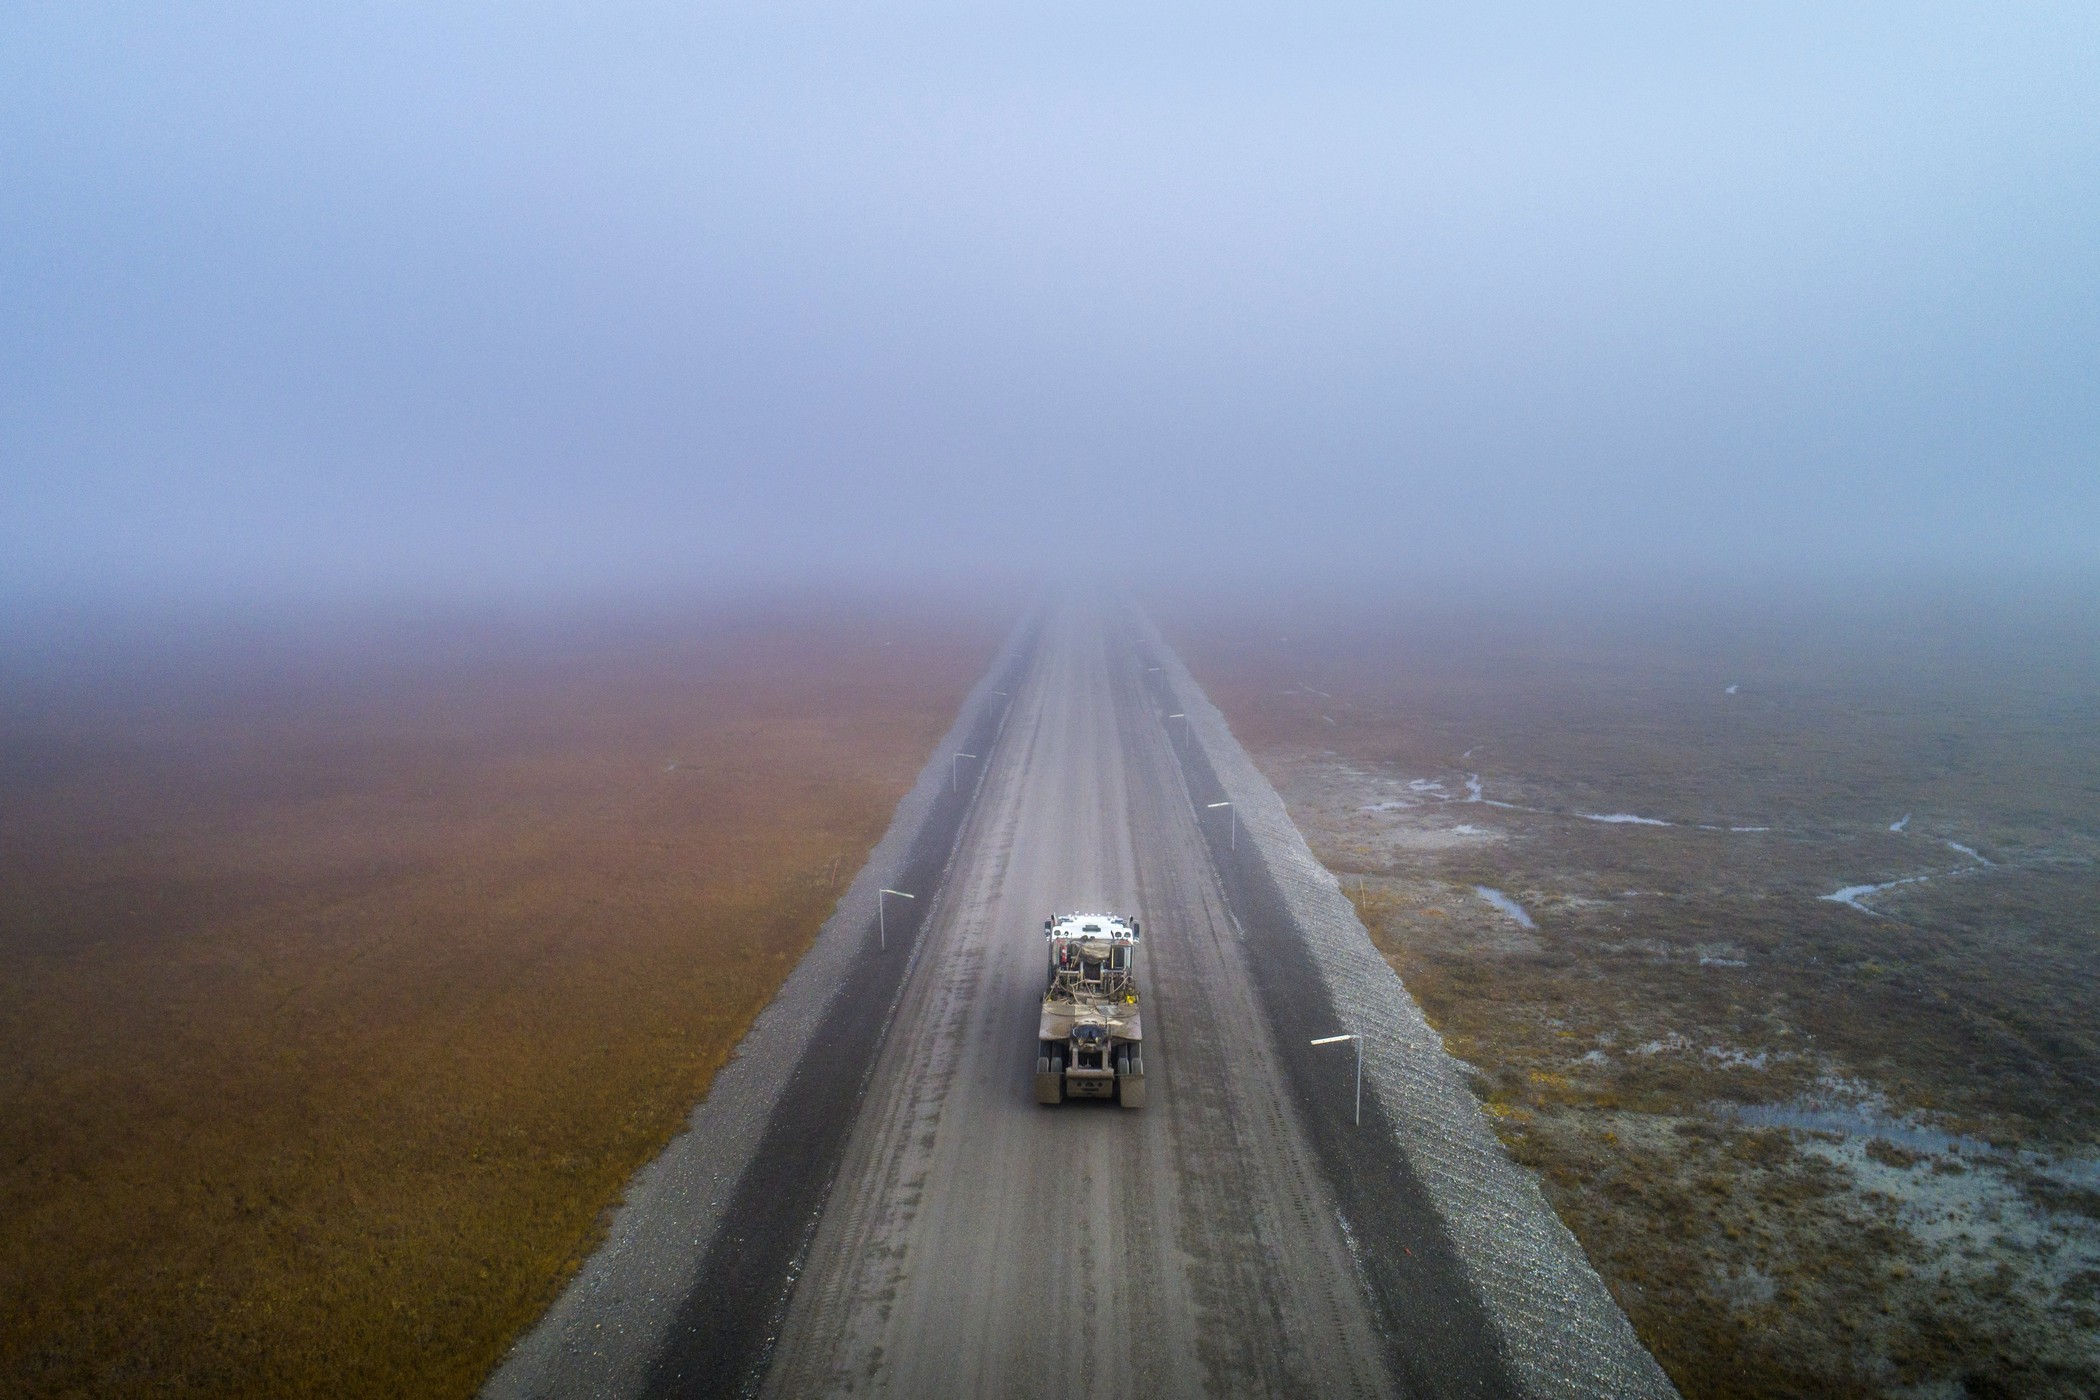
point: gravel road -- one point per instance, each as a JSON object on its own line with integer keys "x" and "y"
{"x": 872, "y": 1202}
{"x": 977, "y": 1243}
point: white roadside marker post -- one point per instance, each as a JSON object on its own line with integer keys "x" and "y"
{"x": 1234, "y": 843}
{"x": 1335, "y": 1039}
{"x": 882, "y": 927}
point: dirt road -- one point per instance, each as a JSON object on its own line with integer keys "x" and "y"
{"x": 870, "y": 1201}
{"x": 977, "y": 1243}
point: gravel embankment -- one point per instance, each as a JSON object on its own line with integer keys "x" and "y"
{"x": 1562, "y": 1332}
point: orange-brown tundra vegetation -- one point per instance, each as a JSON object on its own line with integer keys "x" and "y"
{"x": 342, "y": 987}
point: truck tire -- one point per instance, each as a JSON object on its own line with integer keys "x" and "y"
{"x": 1130, "y": 1076}
{"x": 1050, "y": 1078}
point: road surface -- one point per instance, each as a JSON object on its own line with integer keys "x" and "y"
{"x": 978, "y": 1243}
{"x": 869, "y": 1200}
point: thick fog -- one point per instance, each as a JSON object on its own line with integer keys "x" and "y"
{"x": 481, "y": 299}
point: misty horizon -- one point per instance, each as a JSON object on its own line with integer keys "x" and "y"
{"x": 449, "y": 304}
{"x": 575, "y": 582}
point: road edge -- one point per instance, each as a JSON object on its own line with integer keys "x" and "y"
{"x": 1565, "y": 1336}
{"x": 604, "y": 1333}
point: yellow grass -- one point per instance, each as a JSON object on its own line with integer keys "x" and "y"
{"x": 339, "y": 1002}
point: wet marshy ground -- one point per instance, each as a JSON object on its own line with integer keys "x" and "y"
{"x": 1770, "y": 939}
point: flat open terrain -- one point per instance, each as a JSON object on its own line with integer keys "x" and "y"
{"x": 873, "y": 1202}
{"x": 344, "y": 982}
{"x": 1815, "y": 1145}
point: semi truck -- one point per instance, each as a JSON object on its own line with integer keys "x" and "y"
{"x": 1091, "y": 1043}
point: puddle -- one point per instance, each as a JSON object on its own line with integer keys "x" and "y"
{"x": 1505, "y": 904}
{"x": 1854, "y": 1120}
{"x": 1851, "y": 895}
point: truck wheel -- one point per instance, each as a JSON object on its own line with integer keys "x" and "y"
{"x": 1130, "y": 1076}
{"x": 1050, "y": 1078}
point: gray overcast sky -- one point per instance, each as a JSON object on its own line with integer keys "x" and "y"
{"x": 474, "y": 298}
